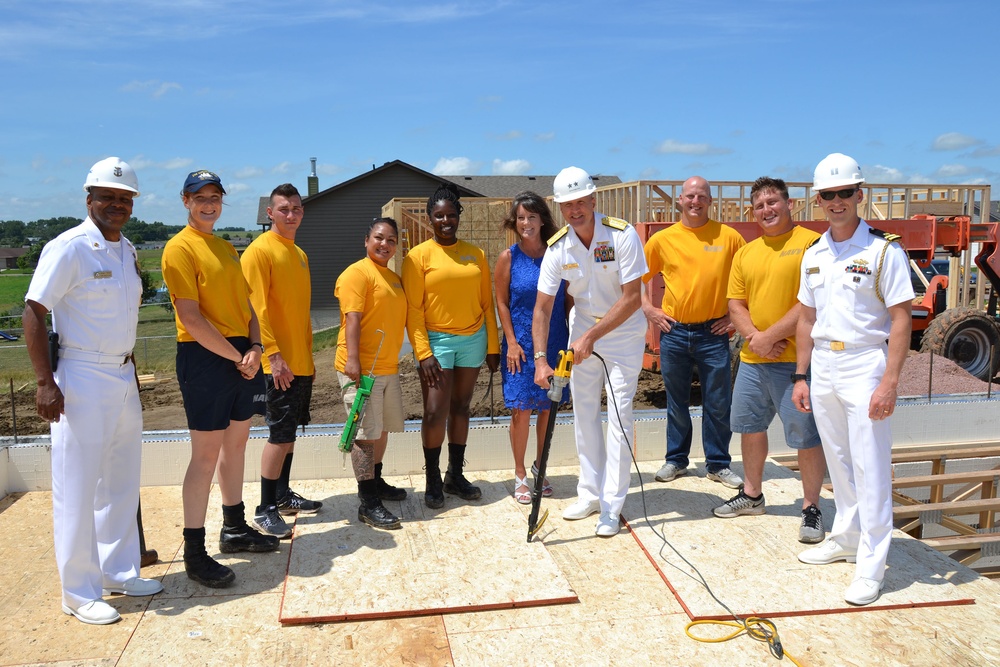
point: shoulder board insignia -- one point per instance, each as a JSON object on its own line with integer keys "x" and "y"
{"x": 614, "y": 223}
{"x": 885, "y": 235}
{"x": 558, "y": 235}
{"x": 813, "y": 242}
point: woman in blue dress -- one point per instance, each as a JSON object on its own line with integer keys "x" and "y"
{"x": 516, "y": 283}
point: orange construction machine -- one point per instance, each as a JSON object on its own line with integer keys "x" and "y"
{"x": 968, "y": 336}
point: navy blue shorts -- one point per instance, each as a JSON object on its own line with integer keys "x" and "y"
{"x": 289, "y": 409}
{"x": 214, "y": 391}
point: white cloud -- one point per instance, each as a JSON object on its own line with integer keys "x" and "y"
{"x": 952, "y": 170}
{"x": 249, "y": 172}
{"x": 509, "y": 136}
{"x": 986, "y": 151}
{"x": 328, "y": 170}
{"x": 281, "y": 168}
{"x": 649, "y": 173}
{"x": 455, "y": 166}
{"x": 140, "y": 162}
{"x": 954, "y": 141}
{"x": 545, "y": 136}
{"x": 510, "y": 167}
{"x": 177, "y": 163}
{"x": 236, "y": 188}
{"x": 882, "y": 174}
{"x": 154, "y": 87}
{"x": 673, "y": 146}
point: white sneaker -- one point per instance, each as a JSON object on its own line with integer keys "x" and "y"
{"x": 608, "y": 525}
{"x": 828, "y": 552}
{"x": 95, "y": 612}
{"x": 136, "y": 587}
{"x": 726, "y": 477}
{"x": 581, "y": 509}
{"x": 863, "y": 591}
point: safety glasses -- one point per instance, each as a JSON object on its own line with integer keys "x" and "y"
{"x": 830, "y": 195}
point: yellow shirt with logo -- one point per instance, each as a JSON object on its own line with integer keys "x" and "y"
{"x": 277, "y": 271}
{"x": 377, "y": 293}
{"x": 449, "y": 290}
{"x": 766, "y": 275}
{"x": 695, "y": 265}
{"x": 205, "y": 268}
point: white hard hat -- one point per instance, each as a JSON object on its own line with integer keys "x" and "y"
{"x": 112, "y": 172}
{"x": 572, "y": 183}
{"x": 836, "y": 170}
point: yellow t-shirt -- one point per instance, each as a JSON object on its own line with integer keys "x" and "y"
{"x": 277, "y": 271}
{"x": 695, "y": 266}
{"x": 449, "y": 290}
{"x": 204, "y": 268}
{"x": 377, "y": 293}
{"x": 766, "y": 275}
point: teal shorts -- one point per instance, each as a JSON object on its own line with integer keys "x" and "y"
{"x": 453, "y": 350}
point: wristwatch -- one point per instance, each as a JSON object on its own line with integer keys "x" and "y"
{"x": 799, "y": 376}
{"x": 261, "y": 346}
{"x": 539, "y": 355}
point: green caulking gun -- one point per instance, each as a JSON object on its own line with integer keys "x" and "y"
{"x": 365, "y": 384}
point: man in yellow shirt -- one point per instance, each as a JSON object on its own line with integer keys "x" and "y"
{"x": 277, "y": 271}
{"x": 763, "y": 286}
{"x": 694, "y": 258}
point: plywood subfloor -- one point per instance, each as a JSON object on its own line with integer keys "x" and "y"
{"x": 625, "y": 616}
{"x": 467, "y": 556}
{"x": 750, "y": 561}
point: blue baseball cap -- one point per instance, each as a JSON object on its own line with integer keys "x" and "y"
{"x": 196, "y": 180}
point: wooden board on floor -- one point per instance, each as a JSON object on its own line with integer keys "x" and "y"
{"x": 468, "y": 556}
{"x": 750, "y": 561}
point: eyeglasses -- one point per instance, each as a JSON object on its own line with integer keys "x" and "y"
{"x": 846, "y": 193}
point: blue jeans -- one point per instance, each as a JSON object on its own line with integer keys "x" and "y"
{"x": 681, "y": 349}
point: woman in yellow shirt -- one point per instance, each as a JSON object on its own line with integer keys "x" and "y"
{"x": 371, "y": 300}
{"x": 218, "y": 369}
{"x": 453, "y": 329}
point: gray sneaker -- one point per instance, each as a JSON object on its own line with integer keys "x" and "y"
{"x": 669, "y": 472}
{"x": 811, "y": 530}
{"x": 726, "y": 477}
{"x": 739, "y": 505}
{"x": 269, "y": 522}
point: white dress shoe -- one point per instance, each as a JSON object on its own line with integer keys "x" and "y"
{"x": 608, "y": 525}
{"x": 136, "y": 587}
{"x": 95, "y": 612}
{"x": 828, "y": 552}
{"x": 581, "y": 509}
{"x": 863, "y": 591}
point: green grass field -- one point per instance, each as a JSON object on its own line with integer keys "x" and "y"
{"x": 12, "y": 290}
{"x": 155, "y": 347}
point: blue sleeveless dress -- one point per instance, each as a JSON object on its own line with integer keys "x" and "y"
{"x": 519, "y": 389}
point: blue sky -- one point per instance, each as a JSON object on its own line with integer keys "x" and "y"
{"x": 252, "y": 89}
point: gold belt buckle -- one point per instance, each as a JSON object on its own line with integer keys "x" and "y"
{"x": 836, "y": 345}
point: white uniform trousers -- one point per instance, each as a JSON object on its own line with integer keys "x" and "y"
{"x": 858, "y": 452}
{"x": 605, "y": 467}
{"x": 96, "y": 454}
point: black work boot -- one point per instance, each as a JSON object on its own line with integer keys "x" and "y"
{"x": 372, "y": 511}
{"x": 383, "y": 490}
{"x": 433, "y": 495}
{"x": 454, "y": 481}
{"x": 237, "y": 536}
{"x": 201, "y": 567}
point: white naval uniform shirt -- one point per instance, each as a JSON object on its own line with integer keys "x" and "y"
{"x": 595, "y": 275}
{"x": 93, "y": 293}
{"x": 841, "y": 287}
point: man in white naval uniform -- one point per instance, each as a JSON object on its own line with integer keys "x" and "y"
{"x": 856, "y": 293}
{"x": 88, "y": 277}
{"x": 603, "y": 262}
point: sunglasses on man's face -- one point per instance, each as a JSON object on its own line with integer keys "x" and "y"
{"x": 846, "y": 193}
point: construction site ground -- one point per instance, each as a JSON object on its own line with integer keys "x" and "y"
{"x": 633, "y": 599}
